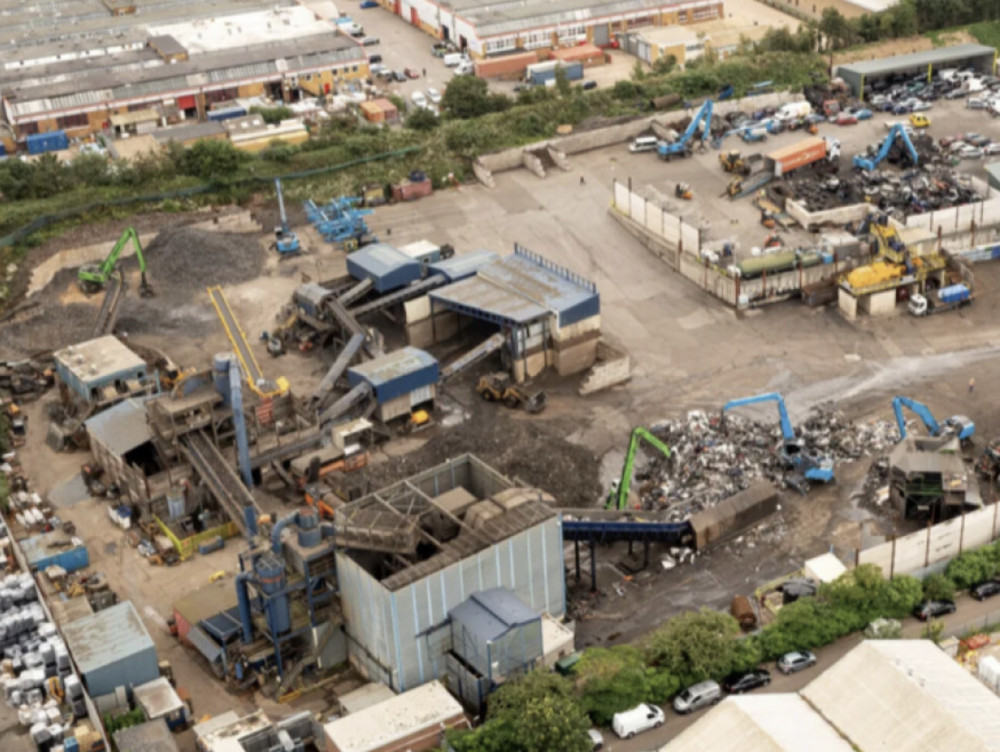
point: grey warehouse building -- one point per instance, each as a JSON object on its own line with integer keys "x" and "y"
{"x": 411, "y": 553}
{"x": 864, "y": 73}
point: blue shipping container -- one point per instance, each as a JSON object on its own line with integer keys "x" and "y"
{"x": 953, "y": 294}
{"x": 574, "y": 72}
{"x": 227, "y": 114}
{"x": 40, "y": 143}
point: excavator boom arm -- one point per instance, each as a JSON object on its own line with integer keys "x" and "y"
{"x": 639, "y": 433}
{"x": 920, "y": 410}
{"x": 786, "y": 424}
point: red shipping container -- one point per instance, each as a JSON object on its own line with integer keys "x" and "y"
{"x": 409, "y": 191}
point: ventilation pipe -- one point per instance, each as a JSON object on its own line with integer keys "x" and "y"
{"x": 243, "y": 597}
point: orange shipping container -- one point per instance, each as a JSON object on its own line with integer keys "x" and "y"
{"x": 588, "y": 54}
{"x": 797, "y": 155}
{"x": 379, "y": 111}
{"x": 506, "y": 66}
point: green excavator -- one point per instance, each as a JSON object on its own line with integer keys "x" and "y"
{"x": 93, "y": 277}
{"x": 618, "y": 495}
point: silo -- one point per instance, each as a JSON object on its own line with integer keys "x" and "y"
{"x": 271, "y": 577}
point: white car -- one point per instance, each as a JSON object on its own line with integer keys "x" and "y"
{"x": 419, "y": 99}
{"x": 434, "y": 95}
{"x": 970, "y": 152}
{"x": 992, "y": 149}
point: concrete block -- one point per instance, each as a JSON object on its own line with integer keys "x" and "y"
{"x": 483, "y": 174}
{"x": 612, "y": 367}
{"x": 533, "y": 163}
{"x": 576, "y": 358}
{"x": 847, "y": 304}
{"x": 559, "y": 157}
{"x": 417, "y": 310}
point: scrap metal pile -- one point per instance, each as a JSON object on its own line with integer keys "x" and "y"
{"x": 912, "y": 192}
{"x": 715, "y": 459}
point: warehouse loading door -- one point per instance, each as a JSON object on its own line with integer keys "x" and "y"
{"x": 602, "y": 35}
{"x": 414, "y": 17}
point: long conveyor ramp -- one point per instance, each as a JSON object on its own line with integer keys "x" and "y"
{"x": 108, "y": 314}
{"x": 400, "y": 296}
{"x": 251, "y": 369}
{"x": 477, "y": 353}
{"x": 220, "y": 477}
{"x": 337, "y": 369}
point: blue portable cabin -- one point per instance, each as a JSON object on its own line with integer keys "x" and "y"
{"x": 39, "y": 143}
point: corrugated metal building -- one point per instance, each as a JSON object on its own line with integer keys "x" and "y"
{"x": 120, "y": 441}
{"x": 551, "y": 316}
{"x": 464, "y": 265}
{"x": 112, "y": 649}
{"x": 396, "y": 604}
{"x": 55, "y": 549}
{"x": 401, "y": 381}
{"x": 386, "y": 266}
{"x": 864, "y": 73}
{"x": 414, "y": 721}
{"x": 494, "y": 636}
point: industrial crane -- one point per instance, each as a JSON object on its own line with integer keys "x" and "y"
{"x": 93, "y": 277}
{"x": 618, "y": 495}
{"x": 682, "y": 146}
{"x": 285, "y": 240}
{"x": 792, "y": 451}
{"x": 956, "y": 425}
{"x": 897, "y": 131}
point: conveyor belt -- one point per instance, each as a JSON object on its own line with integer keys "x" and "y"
{"x": 292, "y": 449}
{"x": 400, "y": 296}
{"x": 350, "y": 295}
{"x": 603, "y": 531}
{"x": 350, "y": 325}
{"x": 359, "y": 393}
{"x": 108, "y": 314}
{"x": 338, "y": 368}
{"x": 220, "y": 477}
{"x": 251, "y": 369}
{"x": 474, "y": 355}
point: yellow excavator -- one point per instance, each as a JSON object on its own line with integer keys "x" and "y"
{"x": 732, "y": 161}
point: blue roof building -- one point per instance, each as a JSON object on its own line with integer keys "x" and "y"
{"x": 400, "y": 380}
{"x": 386, "y": 266}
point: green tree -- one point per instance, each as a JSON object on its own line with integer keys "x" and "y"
{"x": 422, "y": 119}
{"x": 835, "y": 28}
{"x": 638, "y": 71}
{"x": 273, "y": 115}
{"x": 609, "y": 680}
{"x": 694, "y": 646}
{"x": 562, "y": 82}
{"x": 279, "y": 151}
{"x": 664, "y": 65}
{"x": 212, "y": 160}
{"x": 465, "y": 97}
{"x": 937, "y": 587}
{"x": 971, "y": 567}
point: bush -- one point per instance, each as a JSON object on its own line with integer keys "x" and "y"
{"x": 694, "y": 646}
{"x": 212, "y": 160}
{"x": 272, "y": 115}
{"x": 937, "y": 587}
{"x": 971, "y": 567}
{"x": 422, "y": 119}
{"x": 610, "y": 680}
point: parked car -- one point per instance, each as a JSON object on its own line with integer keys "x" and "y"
{"x": 878, "y": 99}
{"x": 920, "y": 106}
{"x": 642, "y": 717}
{"x": 947, "y": 141}
{"x": 991, "y": 150}
{"x": 411, "y": 72}
{"x": 976, "y": 139}
{"x": 987, "y": 589}
{"x": 863, "y": 114}
{"x": 370, "y": 41}
{"x": 588, "y": 85}
{"x": 814, "y": 118}
{"x": 398, "y": 75}
{"x": 955, "y": 94}
{"x": 796, "y": 661}
{"x": 372, "y": 60}
{"x": 919, "y": 120}
{"x": 434, "y": 95}
{"x": 366, "y": 4}
{"x": 744, "y": 681}
{"x": 697, "y": 696}
{"x": 419, "y": 99}
{"x": 971, "y": 152}
{"x": 376, "y": 68}
{"x": 596, "y": 739}
{"x": 976, "y": 103}
{"x": 846, "y": 118}
{"x": 930, "y": 609}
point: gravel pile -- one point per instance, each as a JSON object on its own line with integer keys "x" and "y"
{"x": 54, "y": 327}
{"x": 188, "y": 258}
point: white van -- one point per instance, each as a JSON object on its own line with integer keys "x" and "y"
{"x": 641, "y": 718}
{"x": 793, "y": 111}
{"x": 643, "y": 143}
{"x": 454, "y": 58}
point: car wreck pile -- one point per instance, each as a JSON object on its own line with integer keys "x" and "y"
{"x": 714, "y": 459}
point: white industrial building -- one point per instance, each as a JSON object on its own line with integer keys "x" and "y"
{"x": 883, "y": 696}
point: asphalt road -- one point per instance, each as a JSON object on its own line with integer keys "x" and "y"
{"x": 968, "y": 610}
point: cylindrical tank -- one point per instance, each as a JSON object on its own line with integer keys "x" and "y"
{"x": 309, "y": 532}
{"x": 743, "y": 612}
{"x": 271, "y": 577}
{"x": 220, "y": 374}
{"x": 772, "y": 263}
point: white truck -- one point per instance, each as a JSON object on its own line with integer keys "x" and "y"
{"x": 793, "y": 111}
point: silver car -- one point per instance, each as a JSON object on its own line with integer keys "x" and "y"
{"x": 797, "y": 660}
{"x": 697, "y": 696}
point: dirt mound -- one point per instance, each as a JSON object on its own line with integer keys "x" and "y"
{"x": 187, "y": 258}
{"x": 523, "y": 448}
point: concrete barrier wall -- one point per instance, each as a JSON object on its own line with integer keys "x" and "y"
{"x": 613, "y": 367}
{"x": 661, "y": 224}
{"x": 928, "y": 550}
{"x": 839, "y": 216}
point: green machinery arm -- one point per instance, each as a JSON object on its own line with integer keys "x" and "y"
{"x": 99, "y": 275}
{"x": 618, "y": 497}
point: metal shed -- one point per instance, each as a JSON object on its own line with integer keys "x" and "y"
{"x": 466, "y": 265}
{"x": 865, "y": 72}
{"x": 494, "y": 635}
{"x": 400, "y": 380}
{"x": 386, "y": 266}
{"x": 55, "y": 549}
{"x": 112, "y": 649}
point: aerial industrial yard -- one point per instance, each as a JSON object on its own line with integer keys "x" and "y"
{"x": 334, "y": 474}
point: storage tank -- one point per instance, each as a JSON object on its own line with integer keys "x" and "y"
{"x": 771, "y": 263}
{"x": 271, "y": 578}
{"x": 220, "y": 375}
{"x": 743, "y": 612}
{"x": 309, "y": 532}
